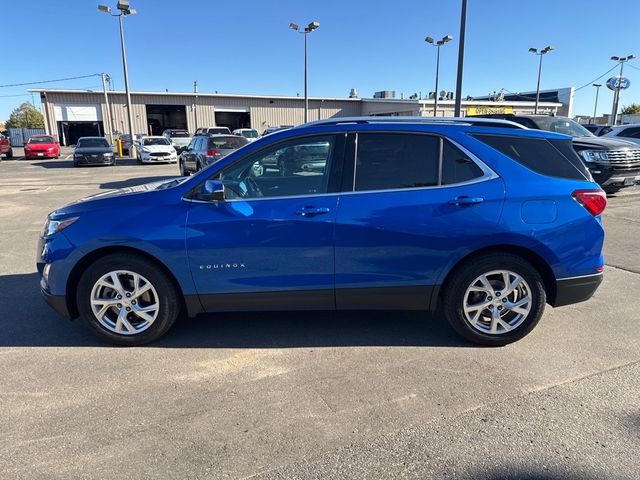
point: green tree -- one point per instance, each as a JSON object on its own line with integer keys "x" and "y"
{"x": 25, "y": 116}
{"x": 633, "y": 109}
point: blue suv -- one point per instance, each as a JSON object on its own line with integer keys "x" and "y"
{"x": 485, "y": 220}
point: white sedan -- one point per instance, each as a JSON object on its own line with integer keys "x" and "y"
{"x": 155, "y": 150}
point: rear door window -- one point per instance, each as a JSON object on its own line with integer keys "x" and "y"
{"x": 389, "y": 161}
{"x": 553, "y": 158}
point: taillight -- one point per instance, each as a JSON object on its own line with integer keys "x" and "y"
{"x": 213, "y": 153}
{"x": 593, "y": 200}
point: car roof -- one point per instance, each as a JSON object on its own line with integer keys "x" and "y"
{"x": 416, "y": 120}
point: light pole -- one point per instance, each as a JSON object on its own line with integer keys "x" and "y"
{"x": 616, "y": 95}
{"x": 305, "y": 31}
{"x": 595, "y": 106}
{"x": 106, "y": 121}
{"x": 123, "y": 6}
{"x": 437, "y": 44}
{"x": 541, "y": 53}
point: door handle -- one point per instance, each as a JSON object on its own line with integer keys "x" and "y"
{"x": 464, "y": 200}
{"x": 312, "y": 211}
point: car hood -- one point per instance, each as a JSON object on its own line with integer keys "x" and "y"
{"x": 602, "y": 143}
{"x": 106, "y": 199}
{"x": 84, "y": 150}
{"x": 157, "y": 148}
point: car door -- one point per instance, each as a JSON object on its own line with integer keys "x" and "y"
{"x": 269, "y": 244}
{"x": 407, "y": 217}
{"x": 193, "y": 154}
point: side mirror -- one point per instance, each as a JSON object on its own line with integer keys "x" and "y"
{"x": 212, "y": 191}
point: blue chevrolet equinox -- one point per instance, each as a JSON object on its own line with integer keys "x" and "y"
{"x": 483, "y": 220}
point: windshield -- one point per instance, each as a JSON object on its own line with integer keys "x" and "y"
{"x": 92, "y": 142}
{"x": 41, "y": 140}
{"x": 562, "y": 125}
{"x": 155, "y": 141}
{"x": 179, "y": 133}
{"x": 214, "y": 131}
{"x": 249, "y": 133}
{"x": 227, "y": 142}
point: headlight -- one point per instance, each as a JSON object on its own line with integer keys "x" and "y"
{"x": 595, "y": 156}
{"x": 52, "y": 226}
{"x": 108, "y": 154}
{"x": 145, "y": 150}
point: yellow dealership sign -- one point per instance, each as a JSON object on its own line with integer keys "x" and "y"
{"x": 488, "y": 110}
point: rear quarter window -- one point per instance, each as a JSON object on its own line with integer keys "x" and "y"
{"x": 552, "y": 158}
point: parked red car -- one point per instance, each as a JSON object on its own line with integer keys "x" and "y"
{"x": 5, "y": 147}
{"x": 41, "y": 146}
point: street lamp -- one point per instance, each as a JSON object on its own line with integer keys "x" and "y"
{"x": 305, "y": 31}
{"x": 541, "y": 53}
{"x": 437, "y": 44}
{"x": 123, "y": 6}
{"x": 616, "y": 95}
{"x": 595, "y": 106}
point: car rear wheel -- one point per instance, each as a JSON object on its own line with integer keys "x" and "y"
{"x": 127, "y": 300}
{"x": 495, "y": 299}
{"x": 9, "y": 154}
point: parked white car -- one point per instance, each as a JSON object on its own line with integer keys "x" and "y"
{"x": 250, "y": 134}
{"x": 630, "y": 132}
{"x": 156, "y": 149}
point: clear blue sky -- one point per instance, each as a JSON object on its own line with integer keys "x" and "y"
{"x": 247, "y": 47}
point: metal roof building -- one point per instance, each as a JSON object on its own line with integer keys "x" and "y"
{"x": 70, "y": 114}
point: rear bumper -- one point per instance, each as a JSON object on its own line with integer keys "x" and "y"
{"x": 576, "y": 290}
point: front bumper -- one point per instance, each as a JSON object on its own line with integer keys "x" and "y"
{"x": 165, "y": 159}
{"x": 57, "y": 302}
{"x": 102, "y": 160}
{"x": 576, "y": 289}
{"x": 610, "y": 176}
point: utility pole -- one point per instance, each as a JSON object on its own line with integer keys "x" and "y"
{"x": 463, "y": 28}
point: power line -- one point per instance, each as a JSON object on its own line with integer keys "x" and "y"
{"x": 596, "y": 79}
{"x": 50, "y": 81}
{"x": 16, "y": 95}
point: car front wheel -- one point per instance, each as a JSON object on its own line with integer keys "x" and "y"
{"x": 127, "y": 300}
{"x": 494, "y": 300}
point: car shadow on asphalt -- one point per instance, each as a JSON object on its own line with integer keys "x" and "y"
{"x": 26, "y": 321}
{"x": 61, "y": 163}
{"x": 133, "y": 182}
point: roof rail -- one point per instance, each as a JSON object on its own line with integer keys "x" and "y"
{"x": 428, "y": 120}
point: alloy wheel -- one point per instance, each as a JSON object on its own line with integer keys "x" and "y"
{"x": 497, "y": 302}
{"x": 124, "y": 302}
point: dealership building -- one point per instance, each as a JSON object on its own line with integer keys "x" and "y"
{"x": 70, "y": 114}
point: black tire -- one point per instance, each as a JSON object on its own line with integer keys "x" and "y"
{"x": 183, "y": 172}
{"x": 9, "y": 154}
{"x": 463, "y": 277}
{"x": 168, "y": 297}
{"x": 198, "y": 167}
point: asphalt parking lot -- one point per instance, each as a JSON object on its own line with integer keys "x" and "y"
{"x": 309, "y": 395}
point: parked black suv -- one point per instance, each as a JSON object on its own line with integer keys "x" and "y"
{"x": 613, "y": 163}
